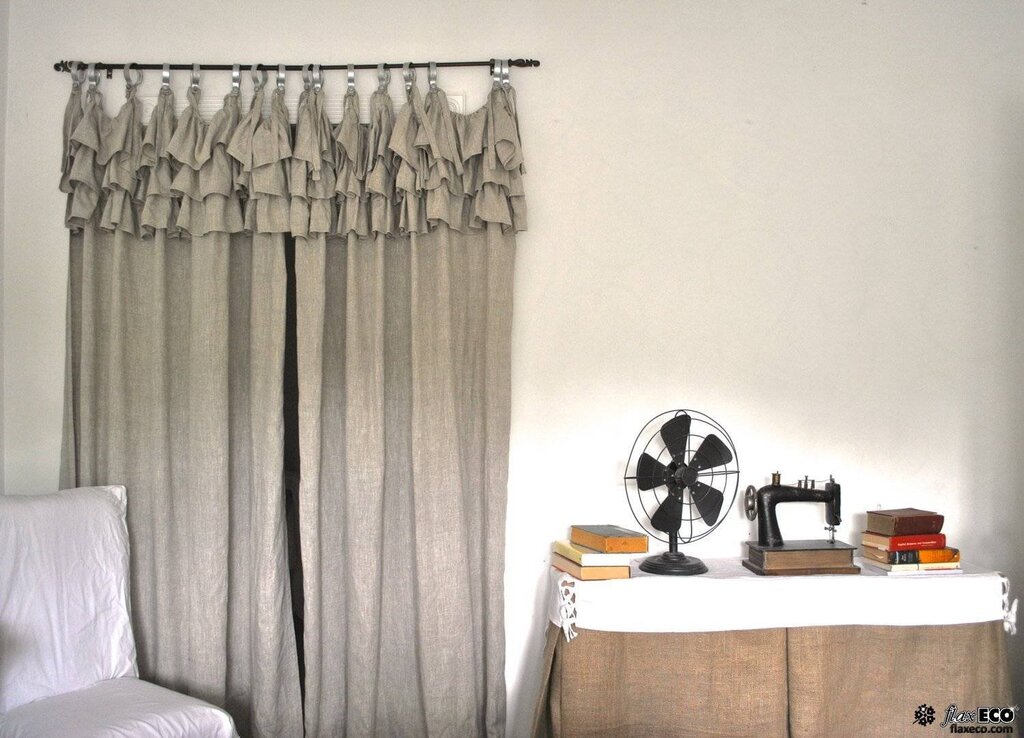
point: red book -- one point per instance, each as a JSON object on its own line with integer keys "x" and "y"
{"x": 903, "y": 543}
{"x": 906, "y": 521}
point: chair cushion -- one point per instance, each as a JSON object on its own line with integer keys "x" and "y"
{"x": 64, "y": 617}
{"x": 118, "y": 707}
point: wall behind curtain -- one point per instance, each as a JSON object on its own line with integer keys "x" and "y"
{"x": 806, "y": 219}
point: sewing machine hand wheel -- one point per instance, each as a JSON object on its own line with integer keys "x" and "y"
{"x": 750, "y": 502}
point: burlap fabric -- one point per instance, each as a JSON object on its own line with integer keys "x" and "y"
{"x": 803, "y": 682}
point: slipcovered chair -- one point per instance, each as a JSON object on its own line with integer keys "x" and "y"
{"x": 67, "y": 653}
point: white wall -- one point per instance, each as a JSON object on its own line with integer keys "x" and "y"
{"x": 803, "y": 218}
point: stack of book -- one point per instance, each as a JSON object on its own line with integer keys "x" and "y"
{"x": 908, "y": 541}
{"x": 598, "y": 551}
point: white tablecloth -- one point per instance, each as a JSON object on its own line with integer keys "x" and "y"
{"x": 729, "y": 597}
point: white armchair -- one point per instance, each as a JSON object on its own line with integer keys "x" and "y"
{"x": 67, "y": 653}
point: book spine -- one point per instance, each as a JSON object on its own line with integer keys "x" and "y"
{"x": 590, "y": 558}
{"x": 938, "y": 556}
{"x": 927, "y": 556}
{"x": 560, "y": 548}
{"x": 917, "y": 525}
{"x": 606, "y": 544}
{"x": 906, "y": 543}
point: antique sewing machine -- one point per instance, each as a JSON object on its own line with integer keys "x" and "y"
{"x": 771, "y": 555}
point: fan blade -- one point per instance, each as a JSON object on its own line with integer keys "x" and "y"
{"x": 708, "y": 501}
{"x": 674, "y": 433}
{"x": 712, "y": 452}
{"x": 669, "y": 515}
{"x": 651, "y": 473}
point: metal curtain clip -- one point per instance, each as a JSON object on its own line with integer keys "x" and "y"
{"x": 281, "y": 74}
{"x": 195, "y": 77}
{"x": 93, "y": 75}
{"x": 307, "y": 76}
{"x": 351, "y": 79}
{"x": 236, "y": 79}
{"x": 77, "y": 74}
{"x": 383, "y": 77}
{"x": 506, "y": 80}
{"x": 432, "y": 75}
{"x": 496, "y": 72}
{"x": 165, "y": 77}
{"x": 409, "y": 75}
{"x": 318, "y": 78}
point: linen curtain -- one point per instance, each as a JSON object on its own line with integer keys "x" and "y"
{"x": 175, "y": 351}
{"x": 404, "y": 235}
{"x": 403, "y": 333}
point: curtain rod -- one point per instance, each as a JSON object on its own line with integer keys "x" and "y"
{"x": 65, "y": 66}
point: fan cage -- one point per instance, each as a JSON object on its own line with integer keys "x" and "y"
{"x": 649, "y": 440}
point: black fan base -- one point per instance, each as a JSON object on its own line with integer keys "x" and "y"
{"x": 673, "y": 563}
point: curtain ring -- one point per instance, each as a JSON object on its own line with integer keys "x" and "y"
{"x": 77, "y": 74}
{"x": 281, "y": 74}
{"x": 236, "y": 79}
{"x": 165, "y": 77}
{"x": 318, "y": 78}
{"x": 506, "y": 80}
{"x": 93, "y": 75}
{"x": 195, "y": 77}
{"x": 432, "y": 75}
{"x": 259, "y": 77}
{"x": 409, "y": 75}
{"x": 307, "y": 76}
{"x": 383, "y": 77}
{"x": 496, "y": 72}
{"x": 130, "y": 83}
{"x": 351, "y": 80}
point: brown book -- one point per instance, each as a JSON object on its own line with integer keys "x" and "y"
{"x": 907, "y": 521}
{"x": 608, "y": 538}
{"x": 588, "y": 573}
{"x": 799, "y": 555}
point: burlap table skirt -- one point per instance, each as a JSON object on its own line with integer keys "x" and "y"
{"x": 857, "y": 681}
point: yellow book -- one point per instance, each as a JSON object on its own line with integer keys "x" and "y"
{"x": 588, "y": 573}
{"x": 589, "y": 557}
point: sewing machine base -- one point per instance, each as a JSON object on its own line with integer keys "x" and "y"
{"x": 801, "y": 558}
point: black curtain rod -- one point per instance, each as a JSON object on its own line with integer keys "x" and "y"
{"x": 65, "y": 66}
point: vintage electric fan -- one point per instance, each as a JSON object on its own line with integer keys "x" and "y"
{"x": 681, "y": 480}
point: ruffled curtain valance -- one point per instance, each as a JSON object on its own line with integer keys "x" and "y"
{"x": 400, "y": 174}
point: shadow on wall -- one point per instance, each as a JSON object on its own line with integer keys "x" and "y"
{"x": 993, "y": 463}
{"x": 1011, "y": 511}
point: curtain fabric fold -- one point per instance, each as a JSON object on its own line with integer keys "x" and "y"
{"x": 404, "y": 423}
{"x": 405, "y": 241}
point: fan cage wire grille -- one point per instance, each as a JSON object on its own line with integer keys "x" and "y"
{"x": 730, "y": 472}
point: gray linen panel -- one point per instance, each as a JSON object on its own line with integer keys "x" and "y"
{"x": 404, "y": 381}
{"x": 405, "y": 233}
{"x": 174, "y": 389}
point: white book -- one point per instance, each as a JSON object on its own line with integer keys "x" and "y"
{"x": 910, "y": 572}
{"x": 589, "y": 557}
